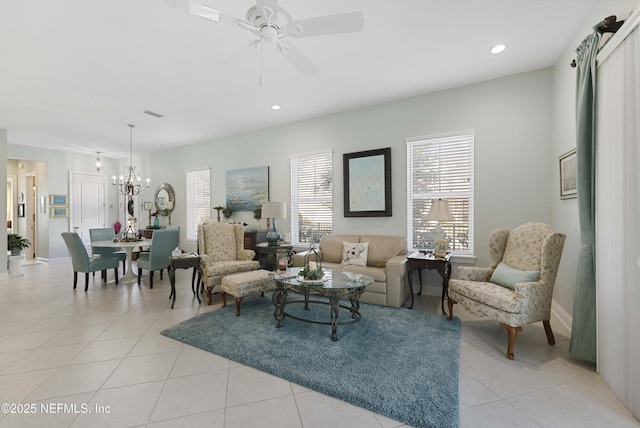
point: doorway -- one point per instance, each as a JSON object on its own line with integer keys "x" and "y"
{"x": 30, "y": 197}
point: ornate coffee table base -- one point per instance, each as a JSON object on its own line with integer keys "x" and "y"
{"x": 280, "y": 301}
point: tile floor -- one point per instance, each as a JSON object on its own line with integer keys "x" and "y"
{"x": 97, "y": 359}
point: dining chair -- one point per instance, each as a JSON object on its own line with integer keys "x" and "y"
{"x": 106, "y": 234}
{"x": 158, "y": 257}
{"x": 83, "y": 263}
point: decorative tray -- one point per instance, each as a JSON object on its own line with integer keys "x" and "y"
{"x": 301, "y": 280}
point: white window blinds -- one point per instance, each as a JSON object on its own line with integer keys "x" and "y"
{"x": 311, "y": 196}
{"x": 198, "y": 184}
{"x": 440, "y": 168}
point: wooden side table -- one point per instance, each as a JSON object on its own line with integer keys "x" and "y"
{"x": 268, "y": 255}
{"x": 418, "y": 261}
{"x": 187, "y": 261}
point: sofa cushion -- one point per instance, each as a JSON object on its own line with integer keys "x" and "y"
{"x": 382, "y": 248}
{"x": 230, "y": 267}
{"x": 508, "y": 277}
{"x": 488, "y": 293}
{"x": 355, "y": 253}
{"x": 331, "y": 246}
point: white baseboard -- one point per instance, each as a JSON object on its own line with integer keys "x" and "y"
{"x": 58, "y": 260}
{"x": 563, "y": 316}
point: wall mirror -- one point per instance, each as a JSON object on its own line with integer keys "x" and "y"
{"x": 165, "y": 199}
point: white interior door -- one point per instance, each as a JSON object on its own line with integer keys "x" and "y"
{"x": 87, "y": 203}
{"x": 617, "y": 213}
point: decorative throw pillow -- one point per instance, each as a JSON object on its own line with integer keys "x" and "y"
{"x": 507, "y": 276}
{"x": 355, "y": 253}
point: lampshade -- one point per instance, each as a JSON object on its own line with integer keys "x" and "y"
{"x": 439, "y": 211}
{"x": 274, "y": 210}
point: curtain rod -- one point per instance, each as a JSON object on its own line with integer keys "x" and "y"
{"x": 630, "y": 24}
{"x": 608, "y": 25}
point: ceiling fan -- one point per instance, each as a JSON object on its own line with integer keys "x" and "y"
{"x": 272, "y": 25}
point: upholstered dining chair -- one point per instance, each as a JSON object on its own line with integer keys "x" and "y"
{"x": 83, "y": 263}
{"x": 106, "y": 234}
{"x": 158, "y": 257}
{"x": 222, "y": 253}
{"x": 517, "y": 288}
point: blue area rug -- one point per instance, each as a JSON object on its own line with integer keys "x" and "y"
{"x": 399, "y": 363}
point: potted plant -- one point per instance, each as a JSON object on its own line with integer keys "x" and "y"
{"x": 16, "y": 243}
{"x": 227, "y": 212}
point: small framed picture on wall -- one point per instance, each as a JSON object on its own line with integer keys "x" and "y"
{"x": 569, "y": 175}
{"x": 58, "y": 200}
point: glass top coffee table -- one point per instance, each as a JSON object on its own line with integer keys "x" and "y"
{"x": 335, "y": 286}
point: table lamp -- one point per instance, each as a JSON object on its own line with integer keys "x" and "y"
{"x": 274, "y": 210}
{"x": 439, "y": 212}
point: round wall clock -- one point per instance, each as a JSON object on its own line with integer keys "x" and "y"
{"x": 21, "y": 197}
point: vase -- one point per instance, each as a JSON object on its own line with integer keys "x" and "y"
{"x": 156, "y": 222}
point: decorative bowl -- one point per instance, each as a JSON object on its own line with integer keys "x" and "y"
{"x": 352, "y": 276}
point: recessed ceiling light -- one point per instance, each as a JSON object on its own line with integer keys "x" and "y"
{"x": 498, "y": 48}
{"x": 275, "y": 107}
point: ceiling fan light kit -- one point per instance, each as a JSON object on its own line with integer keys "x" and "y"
{"x": 271, "y": 24}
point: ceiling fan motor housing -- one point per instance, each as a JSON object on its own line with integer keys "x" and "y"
{"x": 268, "y": 26}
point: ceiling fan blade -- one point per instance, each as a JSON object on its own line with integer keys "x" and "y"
{"x": 331, "y": 24}
{"x": 297, "y": 59}
{"x": 207, "y": 12}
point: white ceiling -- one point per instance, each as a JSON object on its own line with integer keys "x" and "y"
{"x": 74, "y": 73}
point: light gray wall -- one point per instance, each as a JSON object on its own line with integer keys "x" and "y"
{"x": 565, "y": 212}
{"x": 52, "y": 169}
{"x": 512, "y": 121}
{"x": 514, "y": 163}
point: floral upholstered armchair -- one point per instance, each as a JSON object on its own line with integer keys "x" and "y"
{"x": 517, "y": 288}
{"x": 222, "y": 253}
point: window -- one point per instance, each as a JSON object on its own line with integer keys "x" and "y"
{"x": 441, "y": 168}
{"x": 198, "y": 200}
{"x": 311, "y": 196}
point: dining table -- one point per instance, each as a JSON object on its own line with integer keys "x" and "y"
{"x": 128, "y": 247}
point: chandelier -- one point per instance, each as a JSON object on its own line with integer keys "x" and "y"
{"x": 130, "y": 186}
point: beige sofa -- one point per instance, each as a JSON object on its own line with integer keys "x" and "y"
{"x": 386, "y": 264}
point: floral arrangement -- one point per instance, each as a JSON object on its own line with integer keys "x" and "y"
{"x": 311, "y": 272}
